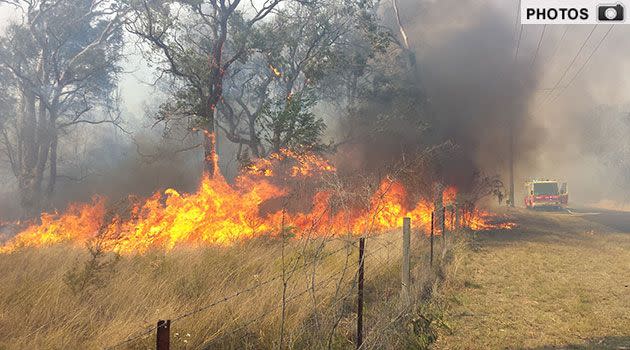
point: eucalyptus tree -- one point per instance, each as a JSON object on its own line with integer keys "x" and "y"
{"x": 195, "y": 43}
{"x": 59, "y": 66}
{"x": 310, "y": 52}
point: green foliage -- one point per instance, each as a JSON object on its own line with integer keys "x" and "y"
{"x": 73, "y": 45}
{"x": 94, "y": 273}
{"x": 312, "y": 51}
{"x": 423, "y": 326}
{"x": 291, "y": 124}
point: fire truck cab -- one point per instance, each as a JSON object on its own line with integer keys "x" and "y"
{"x": 546, "y": 194}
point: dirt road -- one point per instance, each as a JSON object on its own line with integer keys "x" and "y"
{"x": 559, "y": 281}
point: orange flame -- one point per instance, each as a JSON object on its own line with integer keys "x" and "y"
{"x": 276, "y": 71}
{"x": 221, "y": 214}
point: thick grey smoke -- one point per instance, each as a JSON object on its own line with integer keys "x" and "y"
{"x": 476, "y": 89}
{"x": 470, "y": 86}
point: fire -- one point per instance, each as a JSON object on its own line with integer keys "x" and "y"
{"x": 219, "y": 213}
{"x": 276, "y": 71}
{"x": 449, "y": 195}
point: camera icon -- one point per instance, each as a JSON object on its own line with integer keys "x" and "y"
{"x": 610, "y": 13}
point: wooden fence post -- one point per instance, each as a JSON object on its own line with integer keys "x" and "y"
{"x": 163, "y": 335}
{"x": 360, "y": 291}
{"x": 406, "y": 265}
{"x": 443, "y": 224}
{"x": 458, "y": 210}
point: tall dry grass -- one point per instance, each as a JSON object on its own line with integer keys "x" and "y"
{"x": 297, "y": 294}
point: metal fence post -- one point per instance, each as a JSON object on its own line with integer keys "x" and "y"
{"x": 406, "y": 265}
{"x": 431, "y": 256}
{"x": 163, "y": 335}
{"x": 360, "y": 292}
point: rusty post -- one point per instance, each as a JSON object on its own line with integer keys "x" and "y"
{"x": 163, "y": 335}
{"x": 360, "y": 292}
{"x": 406, "y": 263}
{"x": 431, "y": 256}
{"x": 458, "y": 210}
{"x": 453, "y": 228}
{"x": 443, "y": 224}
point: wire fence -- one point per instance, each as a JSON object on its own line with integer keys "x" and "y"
{"x": 379, "y": 252}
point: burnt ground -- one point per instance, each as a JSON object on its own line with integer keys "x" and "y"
{"x": 561, "y": 280}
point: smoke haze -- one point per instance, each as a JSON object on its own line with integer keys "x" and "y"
{"x": 475, "y": 86}
{"x": 470, "y": 87}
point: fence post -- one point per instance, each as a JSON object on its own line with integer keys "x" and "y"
{"x": 406, "y": 268}
{"x": 443, "y": 224}
{"x": 431, "y": 259}
{"x": 458, "y": 208}
{"x": 453, "y": 227}
{"x": 163, "y": 335}
{"x": 360, "y": 291}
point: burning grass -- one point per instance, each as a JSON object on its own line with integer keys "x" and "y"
{"x": 67, "y": 297}
{"x": 265, "y": 262}
{"x": 222, "y": 214}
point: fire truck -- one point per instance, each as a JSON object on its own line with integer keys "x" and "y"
{"x": 549, "y": 194}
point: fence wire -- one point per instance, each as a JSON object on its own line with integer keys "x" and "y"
{"x": 146, "y": 331}
{"x": 348, "y": 243}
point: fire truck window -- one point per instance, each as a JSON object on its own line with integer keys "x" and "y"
{"x": 546, "y": 188}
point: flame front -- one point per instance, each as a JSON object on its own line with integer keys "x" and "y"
{"x": 221, "y": 214}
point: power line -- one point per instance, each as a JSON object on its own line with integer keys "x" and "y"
{"x": 542, "y": 35}
{"x": 518, "y": 43}
{"x": 517, "y": 15}
{"x": 585, "y": 63}
{"x": 555, "y": 51}
{"x": 570, "y": 65}
{"x": 553, "y": 56}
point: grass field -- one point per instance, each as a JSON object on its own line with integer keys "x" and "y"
{"x": 556, "y": 282}
{"x": 63, "y": 297}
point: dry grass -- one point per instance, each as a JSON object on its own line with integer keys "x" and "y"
{"x": 63, "y": 298}
{"x": 557, "y": 282}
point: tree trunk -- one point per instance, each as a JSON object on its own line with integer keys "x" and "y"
{"x": 30, "y": 196}
{"x": 28, "y": 185}
{"x": 211, "y": 159}
{"x": 34, "y": 149}
{"x": 52, "y": 180}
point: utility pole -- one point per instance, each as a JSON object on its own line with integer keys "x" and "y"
{"x": 511, "y": 119}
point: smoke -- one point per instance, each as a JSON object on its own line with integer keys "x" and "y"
{"x": 99, "y": 162}
{"x": 466, "y": 89}
{"x": 469, "y": 87}
{"x": 588, "y": 123}
{"x": 577, "y": 132}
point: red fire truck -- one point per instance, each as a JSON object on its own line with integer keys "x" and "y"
{"x": 546, "y": 194}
